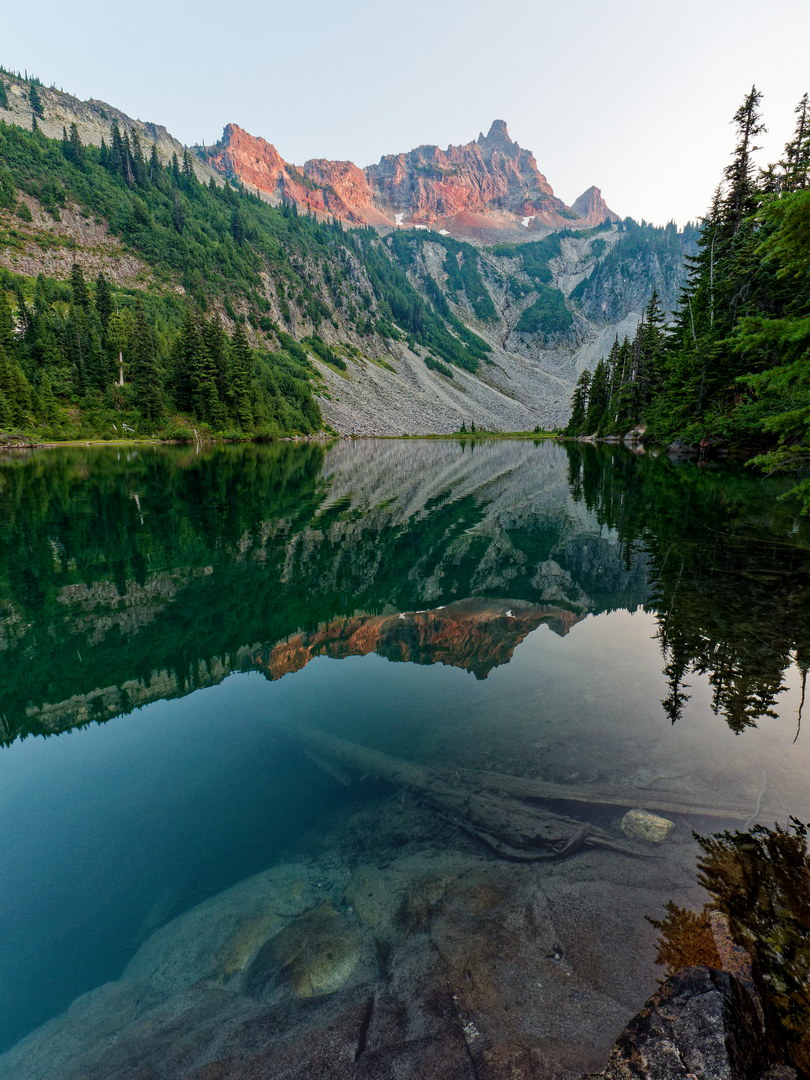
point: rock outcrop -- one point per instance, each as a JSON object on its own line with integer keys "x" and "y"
{"x": 337, "y": 188}
{"x": 591, "y": 207}
{"x": 488, "y": 186}
{"x": 492, "y": 173}
{"x": 701, "y": 1023}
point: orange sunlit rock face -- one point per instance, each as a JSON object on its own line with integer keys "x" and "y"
{"x": 477, "y": 635}
{"x": 491, "y": 184}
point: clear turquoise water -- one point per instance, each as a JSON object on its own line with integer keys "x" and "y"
{"x": 180, "y": 601}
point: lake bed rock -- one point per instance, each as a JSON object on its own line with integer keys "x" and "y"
{"x": 314, "y": 956}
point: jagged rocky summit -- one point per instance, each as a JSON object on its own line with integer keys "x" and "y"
{"x": 485, "y": 189}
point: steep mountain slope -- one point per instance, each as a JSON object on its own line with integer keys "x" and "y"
{"x": 489, "y": 187}
{"x": 53, "y": 111}
{"x": 400, "y": 330}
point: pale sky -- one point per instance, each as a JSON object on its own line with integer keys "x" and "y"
{"x": 634, "y": 96}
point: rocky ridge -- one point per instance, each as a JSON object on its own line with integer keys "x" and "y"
{"x": 93, "y": 120}
{"x": 491, "y": 186}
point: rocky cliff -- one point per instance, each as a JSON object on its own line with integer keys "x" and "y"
{"x": 591, "y": 207}
{"x": 480, "y": 190}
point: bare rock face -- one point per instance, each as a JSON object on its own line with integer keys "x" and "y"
{"x": 591, "y": 207}
{"x": 326, "y": 187}
{"x": 492, "y": 173}
{"x": 254, "y": 160}
{"x": 700, "y": 1025}
{"x": 488, "y": 185}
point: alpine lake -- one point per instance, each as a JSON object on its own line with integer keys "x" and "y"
{"x": 316, "y": 759}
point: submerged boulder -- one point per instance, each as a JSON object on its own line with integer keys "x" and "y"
{"x": 643, "y": 825}
{"x": 315, "y": 955}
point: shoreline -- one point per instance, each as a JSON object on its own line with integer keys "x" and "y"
{"x": 482, "y": 436}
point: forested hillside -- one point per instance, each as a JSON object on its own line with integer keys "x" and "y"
{"x": 138, "y": 297}
{"x": 734, "y": 367}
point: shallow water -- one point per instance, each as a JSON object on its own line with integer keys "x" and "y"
{"x": 170, "y": 619}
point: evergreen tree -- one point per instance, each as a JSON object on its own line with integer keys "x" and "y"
{"x": 75, "y": 148}
{"x": 78, "y": 286}
{"x": 8, "y": 190}
{"x": 652, "y": 348}
{"x": 127, "y": 162}
{"x": 139, "y": 171}
{"x": 740, "y": 200}
{"x": 781, "y": 342}
{"x": 239, "y": 383}
{"x": 120, "y": 331}
{"x": 237, "y": 226}
{"x": 6, "y": 326}
{"x": 795, "y": 165}
{"x": 3, "y": 94}
{"x": 598, "y": 399}
{"x": 104, "y": 301}
{"x": 36, "y": 102}
{"x": 15, "y": 391}
{"x": 117, "y": 163}
{"x": 579, "y": 404}
{"x": 154, "y": 170}
{"x": 147, "y": 382}
{"x": 178, "y": 217}
{"x": 189, "y": 179}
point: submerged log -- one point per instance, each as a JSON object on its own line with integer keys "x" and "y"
{"x": 527, "y": 787}
{"x": 334, "y": 752}
{"x": 511, "y": 828}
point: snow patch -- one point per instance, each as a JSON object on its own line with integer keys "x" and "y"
{"x": 443, "y": 232}
{"x": 528, "y": 220}
{"x": 398, "y": 218}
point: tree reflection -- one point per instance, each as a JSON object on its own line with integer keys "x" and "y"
{"x": 729, "y": 572}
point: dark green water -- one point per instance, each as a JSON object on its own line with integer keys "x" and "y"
{"x": 586, "y": 615}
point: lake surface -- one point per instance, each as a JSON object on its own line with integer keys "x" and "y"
{"x": 185, "y": 865}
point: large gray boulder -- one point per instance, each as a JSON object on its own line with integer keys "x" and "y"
{"x": 701, "y": 1024}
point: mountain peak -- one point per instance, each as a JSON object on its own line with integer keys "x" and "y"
{"x": 480, "y": 189}
{"x": 497, "y": 137}
{"x": 591, "y": 207}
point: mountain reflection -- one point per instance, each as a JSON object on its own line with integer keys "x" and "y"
{"x": 476, "y": 635}
{"x": 129, "y": 576}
